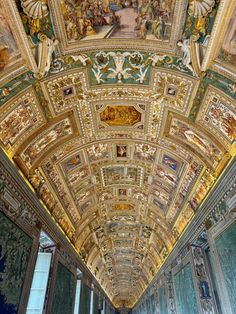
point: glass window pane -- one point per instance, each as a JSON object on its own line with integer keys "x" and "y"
{"x": 77, "y": 296}
{"x": 39, "y": 284}
{"x": 91, "y": 303}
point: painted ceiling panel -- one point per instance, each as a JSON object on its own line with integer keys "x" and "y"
{"x": 121, "y": 114}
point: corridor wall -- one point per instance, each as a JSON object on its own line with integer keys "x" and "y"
{"x": 226, "y": 249}
{"x": 199, "y": 275}
{"x": 22, "y": 217}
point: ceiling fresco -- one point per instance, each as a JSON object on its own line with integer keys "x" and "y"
{"x": 122, "y": 116}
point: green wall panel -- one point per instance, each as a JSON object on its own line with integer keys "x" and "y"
{"x": 85, "y": 299}
{"x": 153, "y": 304}
{"x": 64, "y": 291}
{"x": 15, "y": 247}
{"x": 163, "y": 300}
{"x": 95, "y": 303}
{"x": 186, "y": 301}
{"x": 226, "y": 248}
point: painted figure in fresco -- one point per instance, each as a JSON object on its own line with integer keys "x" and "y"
{"x": 61, "y": 129}
{"x": 161, "y": 196}
{"x": 98, "y": 151}
{"x": 228, "y": 48}
{"x": 145, "y": 151}
{"x": 4, "y": 56}
{"x": 121, "y": 150}
{"x": 183, "y": 130}
{"x": 82, "y": 197}
{"x": 143, "y": 28}
{"x": 205, "y": 293}
{"x": 199, "y": 263}
{"x": 170, "y": 162}
{"x": 229, "y": 43}
{"x": 188, "y": 179}
{"x": 166, "y": 176}
{"x": 118, "y": 19}
{"x": 8, "y": 47}
{"x": 140, "y": 196}
{"x": 78, "y": 175}
{"x": 120, "y": 115}
{"x": 226, "y": 120}
{"x": 72, "y": 163}
{"x": 46, "y": 49}
{"x": 158, "y": 28}
{"x": 186, "y": 54}
{"x": 16, "y": 122}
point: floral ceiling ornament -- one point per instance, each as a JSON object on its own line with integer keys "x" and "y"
{"x": 119, "y": 66}
{"x": 171, "y": 90}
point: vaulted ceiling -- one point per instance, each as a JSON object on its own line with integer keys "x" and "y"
{"x": 121, "y": 115}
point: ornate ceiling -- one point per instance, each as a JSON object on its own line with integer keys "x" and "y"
{"x": 121, "y": 114}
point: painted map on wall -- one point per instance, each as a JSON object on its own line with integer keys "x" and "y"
{"x": 225, "y": 245}
{"x": 163, "y": 300}
{"x": 15, "y": 247}
{"x": 184, "y": 289}
{"x": 95, "y": 303}
{"x": 64, "y": 291}
{"x": 85, "y": 296}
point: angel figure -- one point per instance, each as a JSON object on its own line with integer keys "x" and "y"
{"x": 46, "y": 48}
{"x": 186, "y": 53}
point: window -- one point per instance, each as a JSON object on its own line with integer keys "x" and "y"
{"x": 77, "y": 293}
{"x": 103, "y": 308}
{"x": 41, "y": 275}
{"x": 91, "y": 303}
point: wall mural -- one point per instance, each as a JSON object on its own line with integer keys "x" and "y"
{"x": 193, "y": 138}
{"x": 222, "y": 116}
{"x": 64, "y": 290}
{"x": 15, "y": 250}
{"x": 186, "y": 301}
{"x": 8, "y": 46}
{"x": 225, "y": 245}
{"x": 85, "y": 296}
{"x": 121, "y": 175}
{"x": 23, "y": 118}
{"x": 217, "y": 80}
{"x": 163, "y": 305}
{"x": 143, "y": 19}
{"x": 47, "y": 138}
{"x": 20, "y": 116}
{"x": 120, "y": 116}
{"x": 72, "y": 163}
{"x": 227, "y": 52}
